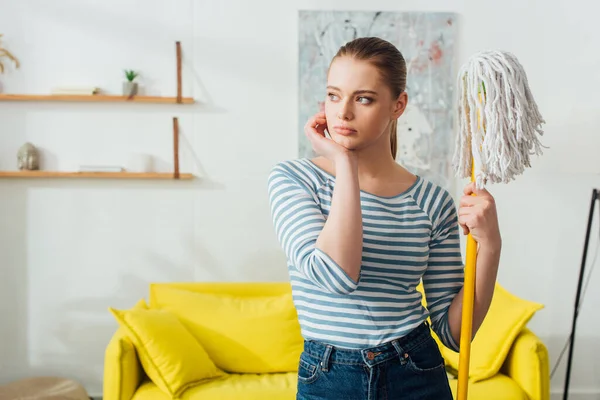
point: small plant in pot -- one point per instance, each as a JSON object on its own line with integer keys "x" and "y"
{"x": 130, "y": 88}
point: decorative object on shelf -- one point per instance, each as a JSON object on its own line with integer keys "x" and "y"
{"x": 101, "y": 168}
{"x": 130, "y": 88}
{"x": 76, "y": 90}
{"x": 7, "y": 54}
{"x": 139, "y": 162}
{"x": 28, "y": 157}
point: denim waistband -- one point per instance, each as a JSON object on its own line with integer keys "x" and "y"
{"x": 370, "y": 356}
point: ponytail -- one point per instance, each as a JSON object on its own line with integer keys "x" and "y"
{"x": 394, "y": 137}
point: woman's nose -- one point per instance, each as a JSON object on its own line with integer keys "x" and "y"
{"x": 345, "y": 113}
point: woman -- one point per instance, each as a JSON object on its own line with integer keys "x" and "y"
{"x": 360, "y": 233}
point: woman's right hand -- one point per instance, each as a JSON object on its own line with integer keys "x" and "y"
{"x": 322, "y": 145}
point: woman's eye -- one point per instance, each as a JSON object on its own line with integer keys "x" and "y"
{"x": 332, "y": 96}
{"x": 365, "y": 100}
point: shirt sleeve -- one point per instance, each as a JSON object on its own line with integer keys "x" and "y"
{"x": 298, "y": 221}
{"x": 444, "y": 276}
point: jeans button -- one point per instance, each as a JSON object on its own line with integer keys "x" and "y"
{"x": 370, "y": 355}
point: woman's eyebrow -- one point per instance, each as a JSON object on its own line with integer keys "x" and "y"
{"x": 364, "y": 91}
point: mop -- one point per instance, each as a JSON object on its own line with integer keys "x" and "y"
{"x": 498, "y": 127}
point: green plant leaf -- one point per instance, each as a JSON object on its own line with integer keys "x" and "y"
{"x": 130, "y": 74}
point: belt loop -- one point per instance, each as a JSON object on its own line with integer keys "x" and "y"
{"x": 325, "y": 360}
{"x": 401, "y": 353}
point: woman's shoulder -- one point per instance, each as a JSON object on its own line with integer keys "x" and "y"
{"x": 299, "y": 168}
{"x": 287, "y": 163}
{"x": 301, "y": 171}
{"x": 432, "y": 197}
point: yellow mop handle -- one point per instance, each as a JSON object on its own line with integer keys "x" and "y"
{"x": 466, "y": 328}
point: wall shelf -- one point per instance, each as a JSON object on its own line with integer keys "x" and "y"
{"x": 104, "y": 175}
{"x": 178, "y": 99}
{"x": 95, "y": 98}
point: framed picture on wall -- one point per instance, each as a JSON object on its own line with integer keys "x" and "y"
{"x": 427, "y": 42}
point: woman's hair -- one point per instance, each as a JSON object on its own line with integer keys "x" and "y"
{"x": 388, "y": 60}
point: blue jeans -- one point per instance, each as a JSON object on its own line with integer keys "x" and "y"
{"x": 409, "y": 368}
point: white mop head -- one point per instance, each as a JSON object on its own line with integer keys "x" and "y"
{"x": 494, "y": 85}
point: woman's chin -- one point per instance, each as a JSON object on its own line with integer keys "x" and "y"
{"x": 348, "y": 142}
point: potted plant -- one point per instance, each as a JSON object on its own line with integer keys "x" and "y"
{"x": 5, "y": 53}
{"x": 130, "y": 87}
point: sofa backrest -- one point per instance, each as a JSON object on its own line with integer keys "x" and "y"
{"x": 243, "y": 289}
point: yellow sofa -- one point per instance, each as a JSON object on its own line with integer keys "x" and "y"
{"x": 523, "y": 375}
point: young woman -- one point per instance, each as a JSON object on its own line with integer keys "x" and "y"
{"x": 361, "y": 232}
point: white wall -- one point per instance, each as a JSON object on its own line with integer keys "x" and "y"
{"x": 69, "y": 249}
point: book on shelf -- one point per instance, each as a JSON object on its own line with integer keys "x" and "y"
{"x": 101, "y": 168}
{"x": 77, "y": 90}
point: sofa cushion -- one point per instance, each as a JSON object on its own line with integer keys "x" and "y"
{"x": 283, "y": 387}
{"x": 169, "y": 354}
{"x": 506, "y": 318}
{"x": 233, "y": 387}
{"x": 256, "y": 334}
{"x": 498, "y": 387}
{"x": 122, "y": 351}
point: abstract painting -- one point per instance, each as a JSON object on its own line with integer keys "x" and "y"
{"x": 427, "y": 42}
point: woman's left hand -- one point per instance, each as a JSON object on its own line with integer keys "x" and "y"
{"x": 477, "y": 215}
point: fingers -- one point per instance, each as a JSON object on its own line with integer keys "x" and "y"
{"x": 471, "y": 189}
{"x": 471, "y": 201}
{"x": 468, "y": 201}
{"x": 319, "y": 118}
{"x": 468, "y": 190}
{"x": 314, "y": 121}
{"x": 320, "y": 127}
{"x": 463, "y": 224}
{"x": 462, "y": 211}
{"x": 316, "y": 124}
{"x": 467, "y": 219}
{"x": 472, "y": 217}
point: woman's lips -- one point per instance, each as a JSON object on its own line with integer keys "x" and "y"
{"x": 344, "y": 130}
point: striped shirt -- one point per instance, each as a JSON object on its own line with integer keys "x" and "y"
{"x": 407, "y": 238}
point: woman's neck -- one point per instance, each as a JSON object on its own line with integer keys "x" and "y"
{"x": 376, "y": 162}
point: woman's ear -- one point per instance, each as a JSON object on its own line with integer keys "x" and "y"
{"x": 400, "y": 105}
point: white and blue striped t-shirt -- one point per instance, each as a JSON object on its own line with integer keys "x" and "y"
{"x": 406, "y": 238}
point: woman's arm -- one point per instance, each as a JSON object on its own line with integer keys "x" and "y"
{"x": 298, "y": 222}
{"x": 488, "y": 259}
{"x": 342, "y": 235}
{"x": 478, "y": 216}
{"x": 328, "y": 252}
{"x": 444, "y": 278}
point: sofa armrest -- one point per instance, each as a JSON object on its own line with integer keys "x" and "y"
{"x": 527, "y": 364}
{"x": 122, "y": 369}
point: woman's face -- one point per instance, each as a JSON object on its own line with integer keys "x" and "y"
{"x": 359, "y": 106}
